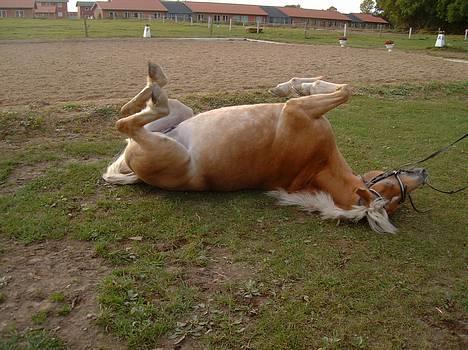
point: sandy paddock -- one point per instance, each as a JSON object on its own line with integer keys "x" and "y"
{"x": 109, "y": 69}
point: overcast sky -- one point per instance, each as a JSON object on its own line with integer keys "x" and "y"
{"x": 345, "y": 6}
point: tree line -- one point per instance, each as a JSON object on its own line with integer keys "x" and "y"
{"x": 448, "y": 15}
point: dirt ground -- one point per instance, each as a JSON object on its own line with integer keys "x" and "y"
{"x": 115, "y": 68}
{"x": 31, "y": 274}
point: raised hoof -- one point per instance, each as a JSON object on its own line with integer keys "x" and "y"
{"x": 156, "y": 74}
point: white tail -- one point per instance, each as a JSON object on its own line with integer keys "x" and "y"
{"x": 323, "y": 203}
{"x": 114, "y": 174}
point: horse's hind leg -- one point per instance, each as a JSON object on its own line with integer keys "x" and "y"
{"x": 155, "y": 158}
{"x": 136, "y": 104}
{"x": 157, "y": 107}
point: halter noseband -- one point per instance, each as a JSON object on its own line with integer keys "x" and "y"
{"x": 378, "y": 178}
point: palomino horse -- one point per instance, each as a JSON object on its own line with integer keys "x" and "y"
{"x": 287, "y": 148}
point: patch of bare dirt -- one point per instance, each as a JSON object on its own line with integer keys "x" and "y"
{"x": 46, "y": 72}
{"x": 23, "y": 174}
{"x": 32, "y": 274}
{"x": 219, "y": 272}
{"x": 220, "y": 269}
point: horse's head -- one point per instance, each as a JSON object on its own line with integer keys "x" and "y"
{"x": 392, "y": 186}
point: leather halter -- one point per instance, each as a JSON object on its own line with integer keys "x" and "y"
{"x": 378, "y": 178}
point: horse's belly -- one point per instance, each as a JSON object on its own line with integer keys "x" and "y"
{"x": 231, "y": 150}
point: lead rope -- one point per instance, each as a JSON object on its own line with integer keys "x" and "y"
{"x": 432, "y": 155}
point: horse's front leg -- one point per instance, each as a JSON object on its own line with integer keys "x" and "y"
{"x": 315, "y": 106}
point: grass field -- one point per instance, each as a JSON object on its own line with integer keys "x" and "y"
{"x": 232, "y": 270}
{"x": 71, "y": 29}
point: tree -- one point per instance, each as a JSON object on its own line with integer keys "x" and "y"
{"x": 296, "y": 6}
{"x": 451, "y": 15}
{"x": 367, "y": 6}
{"x": 332, "y": 8}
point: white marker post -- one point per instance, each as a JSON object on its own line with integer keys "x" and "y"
{"x": 209, "y": 21}
{"x": 258, "y": 26}
{"x": 466, "y": 34}
{"x": 440, "y": 42}
{"x": 230, "y": 25}
{"x": 147, "y": 31}
{"x": 191, "y": 21}
{"x": 345, "y": 30}
{"x": 410, "y": 32}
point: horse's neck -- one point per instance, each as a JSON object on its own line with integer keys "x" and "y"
{"x": 339, "y": 181}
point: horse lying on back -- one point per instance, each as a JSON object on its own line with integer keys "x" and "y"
{"x": 286, "y": 148}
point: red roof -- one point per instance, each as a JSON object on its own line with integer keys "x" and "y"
{"x": 45, "y": 9}
{"x": 229, "y": 9}
{"x": 17, "y": 4}
{"x": 307, "y": 13}
{"x": 369, "y": 18}
{"x": 132, "y": 5}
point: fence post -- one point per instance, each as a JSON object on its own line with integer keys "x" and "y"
{"x": 85, "y": 26}
{"x": 258, "y": 26}
{"x": 230, "y": 24}
{"x": 345, "y": 32}
{"x": 410, "y": 32}
{"x": 466, "y": 34}
{"x": 191, "y": 21}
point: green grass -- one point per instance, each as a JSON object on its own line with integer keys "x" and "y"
{"x": 291, "y": 281}
{"x": 31, "y": 340}
{"x": 73, "y": 29}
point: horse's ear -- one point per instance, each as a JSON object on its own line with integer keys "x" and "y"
{"x": 365, "y": 195}
{"x": 392, "y": 206}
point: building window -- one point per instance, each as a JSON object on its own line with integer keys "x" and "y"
{"x": 157, "y": 15}
{"x": 225, "y": 18}
{"x": 112, "y": 14}
{"x": 126, "y": 14}
{"x": 60, "y": 14}
{"x": 19, "y": 13}
{"x": 3, "y": 13}
{"x": 216, "y": 18}
{"x": 200, "y": 17}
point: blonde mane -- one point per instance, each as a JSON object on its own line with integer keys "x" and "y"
{"x": 323, "y": 203}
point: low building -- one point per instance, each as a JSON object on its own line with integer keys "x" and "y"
{"x": 366, "y": 21}
{"x": 137, "y": 9}
{"x": 51, "y": 9}
{"x": 315, "y": 18}
{"x": 17, "y": 8}
{"x": 275, "y": 16}
{"x": 223, "y": 13}
{"x": 177, "y": 11}
{"x": 84, "y": 9}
